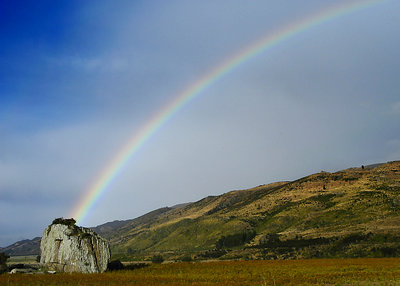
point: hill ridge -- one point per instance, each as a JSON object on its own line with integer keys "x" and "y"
{"x": 357, "y": 200}
{"x": 352, "y": 212}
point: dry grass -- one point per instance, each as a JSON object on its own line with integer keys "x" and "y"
{"x": 285, "y": 272}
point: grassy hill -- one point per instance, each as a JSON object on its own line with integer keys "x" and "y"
{"x": 350, "y": 213}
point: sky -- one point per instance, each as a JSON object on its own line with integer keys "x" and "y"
{"x": 79, "y": 78}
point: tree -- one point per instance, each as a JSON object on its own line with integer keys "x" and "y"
{"x": 157, "y": 259}
{"x": 3, "y": 262}
{"x": 130, "y": 250}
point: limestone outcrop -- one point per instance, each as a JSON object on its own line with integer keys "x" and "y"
{"x": 66, "y": 247}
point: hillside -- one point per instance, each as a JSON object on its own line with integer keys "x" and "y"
{"x": 23, "y": 247}
{"x": 349, "y": 213}
{"x": 354, "y": 212}
{"x": 32, "y": 247}
{"x": 120, "y": 226}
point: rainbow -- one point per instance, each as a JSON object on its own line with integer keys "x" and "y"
{"x": 104, "y": 179}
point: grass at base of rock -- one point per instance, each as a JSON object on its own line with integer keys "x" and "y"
{"x": 385, "y": 271}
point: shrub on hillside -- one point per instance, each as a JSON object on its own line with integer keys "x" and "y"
{"x": 157, "y": 259}
{"x": 236, "y": 239}
{"x": 186, "y": 258}
{"x": 212, "y": 253}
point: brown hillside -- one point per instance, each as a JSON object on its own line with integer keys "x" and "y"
{"x": 355, "y": 201}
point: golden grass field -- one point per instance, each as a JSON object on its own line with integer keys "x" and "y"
{"x": 371, "y": 271}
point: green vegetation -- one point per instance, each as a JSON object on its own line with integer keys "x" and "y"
{"x": 352, "y": 245}
{"x": 342, "y": 214}
{"x": 65, "y": 221}
{"x": 28, "y": 259}
{"x": 3, "y": 262}
{"x": 211, "y": 254}
{"x": 157, "y": 259}
{"x": 236, "y": 239}
{"x": 186, "y": 258}
{"x": 313, "y": 216}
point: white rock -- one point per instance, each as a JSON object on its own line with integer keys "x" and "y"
{"x": 20, "y": 270}
{"x": 66, "y": 248}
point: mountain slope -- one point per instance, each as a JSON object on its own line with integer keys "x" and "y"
{"x": 360, "y": 204}
{"x": 350, "y": 213}
{"x": 23, "y": 247}
{"x": 114, "y": 228}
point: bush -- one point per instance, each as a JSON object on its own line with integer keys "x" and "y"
{"x": 115, "y": 265}
{"x": 213, "y": 253}
{"x": 187, "y": 258}
{"x": 157, "y": 259}
{"x": 270, "y": 240}
{"x": 235, "y": 239}
{"x": 3, "y": 257}
{"x": 65, "y": 221}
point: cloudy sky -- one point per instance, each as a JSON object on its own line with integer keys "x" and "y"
{"x": 79, "y": 78}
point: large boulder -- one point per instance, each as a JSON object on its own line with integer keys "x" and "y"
{"x": 66, "y": 247}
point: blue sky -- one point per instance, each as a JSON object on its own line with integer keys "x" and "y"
{"x": 78, "y": 78}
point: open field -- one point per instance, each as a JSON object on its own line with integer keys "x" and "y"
{"x": 22, "y": 259}
{"x": 369, "y": 271}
